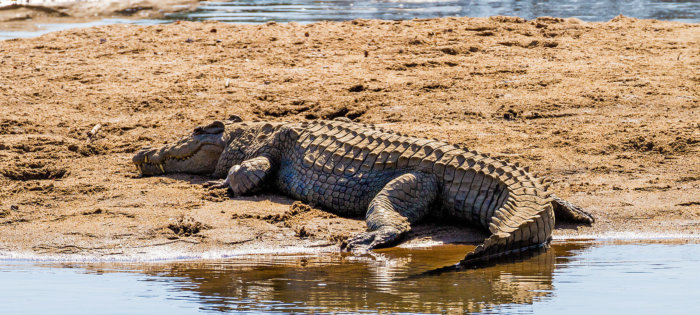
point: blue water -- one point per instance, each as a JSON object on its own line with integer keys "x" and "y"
{"x": 581, "y": 277}
{"x": 31, "y": 289}
{"x": 626, "y": 279}
{"x": 305, "y": 11}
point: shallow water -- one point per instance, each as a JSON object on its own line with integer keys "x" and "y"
{"x": 583, "y": 276}
{"x": 304, "y": 11}
{"x": 307, "y": 11}
{"x": 42, "y": 29}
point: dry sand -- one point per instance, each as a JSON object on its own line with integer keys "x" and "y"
{"x": 609, "y": 111}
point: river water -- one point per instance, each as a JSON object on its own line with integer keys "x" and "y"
{"x": 581, "y": 276}
{"x": 307, "y": 11}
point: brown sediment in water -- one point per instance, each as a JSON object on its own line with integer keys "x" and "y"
{"x": 335, "y": 283}
{"x": 608, "y": 111}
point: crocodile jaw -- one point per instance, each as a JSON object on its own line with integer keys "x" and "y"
{"x": 195, "y": 154}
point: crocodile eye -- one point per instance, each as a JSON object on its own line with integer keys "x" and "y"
{"x": 214, "y": 128}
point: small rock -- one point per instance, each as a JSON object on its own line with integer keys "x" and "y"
{"x": 14, "y": 207}
{"x": 357, "y": 88}
{"x": 510, "y": 114}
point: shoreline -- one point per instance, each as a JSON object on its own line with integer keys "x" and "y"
{"x": 38, "y": 17}
{"x": 606, "y": 110}
{"x": 168, "y": 255}
{"x": 31, "y": 9}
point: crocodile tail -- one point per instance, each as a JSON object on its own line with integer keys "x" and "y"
{"x": 533, "y": 233}
{"x": 530, "y": 237}
{"x": 525, "y": 221}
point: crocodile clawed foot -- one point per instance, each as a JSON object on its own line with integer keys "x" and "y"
{"x": 382, "y": 237}
{"x": 567, "y": 211}
{"x": 216, "y": 184}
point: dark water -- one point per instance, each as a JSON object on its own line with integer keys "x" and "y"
{"x": 304, "y": 11}
{"x": 584, "y": 277}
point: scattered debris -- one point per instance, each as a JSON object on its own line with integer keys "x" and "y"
{"x": 187, "y": 226}
{"x": 33, "y": 170}
{"x": 93, "y": 133}
{"x": 295, "y": 209}
{"x": 339, "y": 238}
{"x": 96, "y": 211}
{"x": 216, "y": 195}
{"x": 302, "y": 232}
{"x": 511, "y": 114}
{"x": 357, "y": 88}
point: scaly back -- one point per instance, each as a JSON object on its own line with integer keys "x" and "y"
{"x": 504, "y": 198}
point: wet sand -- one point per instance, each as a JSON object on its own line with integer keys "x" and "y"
{"x": 608, "y": 111}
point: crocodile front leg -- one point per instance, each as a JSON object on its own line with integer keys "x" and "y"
{"x": 403, "y": 201}
{"x": 247, "y": 177}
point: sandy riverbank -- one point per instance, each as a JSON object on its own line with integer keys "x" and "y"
{"x": 608, "y": 111}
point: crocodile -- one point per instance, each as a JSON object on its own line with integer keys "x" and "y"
{"x": 393, "y": 179}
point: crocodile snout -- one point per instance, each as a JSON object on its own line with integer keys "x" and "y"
{"x": 148, "y": 163}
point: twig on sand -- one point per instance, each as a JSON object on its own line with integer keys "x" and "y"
{"x": 93, "y": 133}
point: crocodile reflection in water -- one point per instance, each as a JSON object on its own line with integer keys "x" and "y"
{"x": 334, "y": 282}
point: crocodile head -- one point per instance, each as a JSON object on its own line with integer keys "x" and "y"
{"x": 197, "y": 153}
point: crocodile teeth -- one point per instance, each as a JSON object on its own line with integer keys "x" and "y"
{"x": 138, "y": 166}
{"x": 161, "y": 168}
{"x": 145, "y": 159}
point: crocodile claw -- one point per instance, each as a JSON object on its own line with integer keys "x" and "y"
{"x": 382, "y": 237}
{"x": 216, "y": 184}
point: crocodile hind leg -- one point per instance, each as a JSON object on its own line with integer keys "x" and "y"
{"x": 566, "y": 211}
{"x": 246, "y": 177}
{"x": 402, "y": 201}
